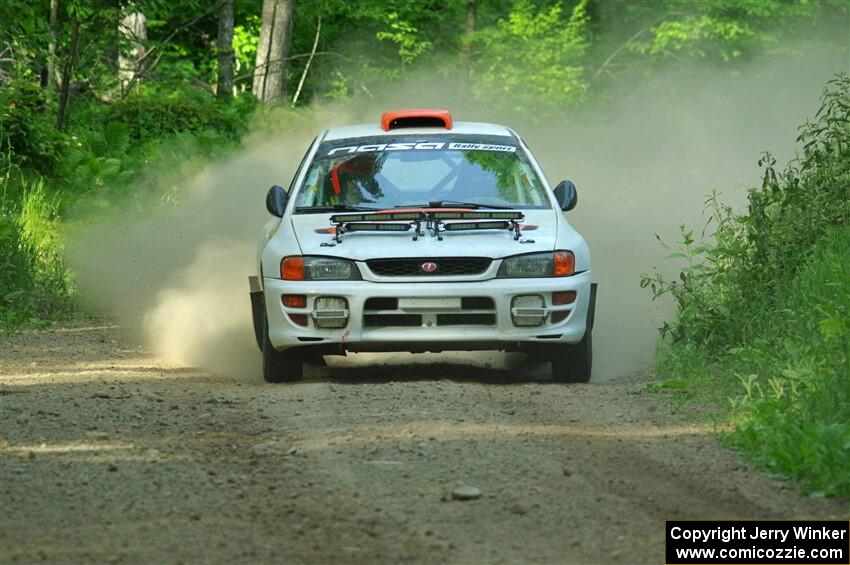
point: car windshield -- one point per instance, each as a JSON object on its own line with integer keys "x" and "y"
{"x": 377, "y": 173}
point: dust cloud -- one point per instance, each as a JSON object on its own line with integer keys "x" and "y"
{"x": 644, "y": 165}
{"x": 643, "y": 162}
{"x": 178, "y": 279}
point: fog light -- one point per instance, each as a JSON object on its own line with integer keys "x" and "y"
{"x": 563, "y": 297}
{"x": 560, "y": 316}
{"x": 528, "y": 310}
{"x": 294, "y": 300}
{"x": 559, "y": 299}
{"x": 300, "y": 319}
{"x": 330, "y": 312}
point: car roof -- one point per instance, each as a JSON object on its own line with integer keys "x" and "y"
{"x": 375, "y": 130}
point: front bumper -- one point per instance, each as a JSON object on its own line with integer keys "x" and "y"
{"x": 442, "y": 324}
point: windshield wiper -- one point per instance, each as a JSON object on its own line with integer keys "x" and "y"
{"x": 455, "y": 204}
{"x": 335, "y": 208}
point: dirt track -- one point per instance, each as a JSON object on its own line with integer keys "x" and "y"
{"x": 107, "y": 456}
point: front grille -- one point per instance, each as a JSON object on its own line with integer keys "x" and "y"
{"x": 384, "y": 312}
{"x": 446, "y": 266}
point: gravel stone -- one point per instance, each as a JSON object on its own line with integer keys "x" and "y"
{"x": 466, "y": 493}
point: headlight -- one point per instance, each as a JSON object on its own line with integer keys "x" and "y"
{"x": 549, "y": 264}
{"x": 318, "y": 269}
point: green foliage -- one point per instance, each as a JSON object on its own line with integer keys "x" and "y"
{"x": 636, "y": 40}
{"x": 27, "y": 126}
{"x": 367, "y": 44}
{"x": 532, "y": 59}
{"x": 153, "y": 112}
{"x": 794, "y": 414}
{"x": 406, "y": 37}
{"x": 246, "y": 36}
{"x": 723, "y": 29}
{"x": 23, "y": 37}
{"x": 95, "y": 157}
{"x": 109, "y": 144}
{"x": 768, "y": 302}
{"x": 730, "y": 37}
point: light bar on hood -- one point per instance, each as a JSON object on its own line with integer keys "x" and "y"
{"x": 465, "y": 226}
{"x": 509, "y": 215}
{"x": 378, "y": 217}
{"x": 376, "y": 226}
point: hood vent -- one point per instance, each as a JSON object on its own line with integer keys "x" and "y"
{"x": 416, "y": 118}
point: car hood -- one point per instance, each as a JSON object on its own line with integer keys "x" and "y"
{"x": 539, "y": 235}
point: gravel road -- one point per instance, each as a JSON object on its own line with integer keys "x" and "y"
{"x": 109, "y": 456}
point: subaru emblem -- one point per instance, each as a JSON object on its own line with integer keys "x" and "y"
{"x": 429, "y": 267}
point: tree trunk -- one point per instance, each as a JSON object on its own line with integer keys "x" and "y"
{"x": 134, "y": 32}
{"x": 466, "y": 47}
{"x": 273, "y": 49}
{"x": 309, "y": 61}
{"x": 68, "y": 73}
{"x": 51, "y": 47}
{"x": 225, "y": 50}
{"x": 6, "y": 60}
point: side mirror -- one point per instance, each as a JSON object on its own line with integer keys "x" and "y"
{"x": 566, "y": 195}
{"x": 276, "y": 201}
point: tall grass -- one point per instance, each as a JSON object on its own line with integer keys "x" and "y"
{"x": 794, "y": 415}
{"x": 787, "y": 385}
{"x": 763, "y": 320}
{"x": 34, "y": 285}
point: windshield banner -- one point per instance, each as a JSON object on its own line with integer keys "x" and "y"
{"x": 423, "y": 145}
{"x": 470, "y": 142}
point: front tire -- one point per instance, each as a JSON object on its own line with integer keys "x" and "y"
{"x": 280, "y": 366}
{"x": 572, "y": 363}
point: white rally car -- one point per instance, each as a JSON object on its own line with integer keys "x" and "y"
{"x": 421, "y": 234}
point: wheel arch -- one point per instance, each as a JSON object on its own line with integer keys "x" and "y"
{"x": 258, "y": 308}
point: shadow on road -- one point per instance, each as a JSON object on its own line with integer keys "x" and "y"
{"x": 505, "y": 370}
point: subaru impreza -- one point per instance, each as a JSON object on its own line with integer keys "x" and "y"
{"x": 421, "y": 234}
